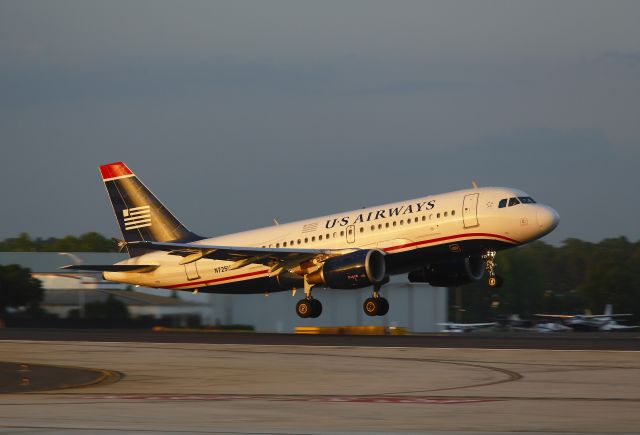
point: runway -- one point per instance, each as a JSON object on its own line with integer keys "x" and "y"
{"x": 502, "y": 340}
{"x": 354, "y": 385}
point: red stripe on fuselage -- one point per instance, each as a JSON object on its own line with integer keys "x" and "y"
{"x": 457, "y": 236}
{"x": 391, "y": 248}
{"x": 226, "y": 278}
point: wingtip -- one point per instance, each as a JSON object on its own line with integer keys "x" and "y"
{"x": 114, "y": 170}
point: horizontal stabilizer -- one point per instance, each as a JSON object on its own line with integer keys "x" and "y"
{"x": 140, "y": 268}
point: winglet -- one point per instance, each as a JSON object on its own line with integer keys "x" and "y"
{"x": 114, "y": 170}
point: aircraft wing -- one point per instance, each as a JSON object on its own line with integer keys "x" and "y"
{"x": 241, "y": 255}
{"x": 112, "y": 267}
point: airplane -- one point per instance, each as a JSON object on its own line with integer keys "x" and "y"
{"x": 593, "y": 322}
{"x": 446, "y": 240}
{"x": 464, "y": 327}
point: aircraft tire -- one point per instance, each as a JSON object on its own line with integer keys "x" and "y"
{"x": 371, "y": 307}
{"x": 495, "y": 281}
{"x": 384, "y": 306}
{"x": 304, "y": 308}
{"x": 316, "y": 308}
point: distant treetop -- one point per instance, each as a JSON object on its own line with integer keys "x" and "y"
{"x": 88, "y": 242}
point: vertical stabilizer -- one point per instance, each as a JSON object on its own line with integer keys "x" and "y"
{"x": 140, "y": 215}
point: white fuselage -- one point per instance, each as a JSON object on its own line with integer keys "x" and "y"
{"x": 460, "y": 222}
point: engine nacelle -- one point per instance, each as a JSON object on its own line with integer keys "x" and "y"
{"x": 353, "y": 270}
{"x": 450, "y": 273}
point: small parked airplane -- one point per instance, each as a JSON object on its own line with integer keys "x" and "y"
{"x": 446, "y": 240}
{"x": 464, "y": 327}
{"x": 593, "y": 322}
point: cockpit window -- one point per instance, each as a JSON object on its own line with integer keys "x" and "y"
{"x": 502, "y": 203}
{"x": 526, "y": 200}
{"x": 513, "y": 201}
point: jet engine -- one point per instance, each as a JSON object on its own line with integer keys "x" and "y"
{"x": 350, "y": 271}
{"x": 450, "y": 273}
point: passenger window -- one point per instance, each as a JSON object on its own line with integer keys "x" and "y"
{"x": 453, "y": 212}
{"x": 387, "y": 225}
{"x": 502, "y": 203}
{"x": 438, "y": 216}
{"x": 394, "y": 223}
{"x": 306, "y": 240}
{"x": 328, "y": 236}
{"x": 373, "y": 227}
{"x": 313, "y": 239}
{"x": 341, "y": 233}
{"x": 277, "y": 245}
{"x": 291, "y": 244}
{"x": 320, "y": 237}
{"x": 513, "y": 201}
{"x": 379, "y": 226}
{"x": 401, "y": 221}
{"x": 424, "y": 218}
{"x": 299, "y": 241}
{"x": 362, "y": 229}
{"x": 284, "y": 244}
{"x": 446, "y": 213}
{"x": 416, "y": 219}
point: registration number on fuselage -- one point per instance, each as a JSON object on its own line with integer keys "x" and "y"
{"x": 220, "y": 269}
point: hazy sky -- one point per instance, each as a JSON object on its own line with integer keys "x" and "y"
{"x": 236, "y": 112}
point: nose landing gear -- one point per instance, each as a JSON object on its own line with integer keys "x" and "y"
{"x": 489, "y": 262}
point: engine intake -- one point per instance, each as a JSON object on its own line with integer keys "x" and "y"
{"x": 349, "y": 271}
{"x": 450, "y": 273}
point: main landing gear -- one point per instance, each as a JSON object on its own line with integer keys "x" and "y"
{"x": 308, "y": 307}
{"x": 489, "y": 262}
{"x": 376, "y": 305}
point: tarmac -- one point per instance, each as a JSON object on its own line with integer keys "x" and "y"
{"x": 245, "y": 383}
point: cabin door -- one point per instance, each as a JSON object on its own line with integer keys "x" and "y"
{"x": 351, "y": 233}
{"x": 470, "y": 210}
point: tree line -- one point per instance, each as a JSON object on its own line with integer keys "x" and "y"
{"x": 570, "y": 278}
{"x": 87, "y": 242}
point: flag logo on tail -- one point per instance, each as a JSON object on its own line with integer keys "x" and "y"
{"x": 137, "y": 217}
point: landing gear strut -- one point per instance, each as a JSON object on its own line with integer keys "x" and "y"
{"x": 308, "y": 307}
{"x": 489, "y": 262}
{"x": 376, "y": 305}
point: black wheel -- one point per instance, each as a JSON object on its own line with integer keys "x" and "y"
{"x": 494, "y": 281}
{"x": 316, "y": 308}
{"x": 304, "y": 308}
{"x": 371, "y": 307}
{"x": 384, "y": 306}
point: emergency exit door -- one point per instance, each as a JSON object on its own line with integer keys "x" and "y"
{"x": 470, "y": 210}
{"x": 191, "y": 270}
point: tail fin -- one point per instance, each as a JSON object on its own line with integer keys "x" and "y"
{"x": 141, "y": 216}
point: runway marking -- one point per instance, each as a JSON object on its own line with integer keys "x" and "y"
{"x": 416, "y": 400}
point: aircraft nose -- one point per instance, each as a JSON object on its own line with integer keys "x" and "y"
{"x": 547, "y": 218}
